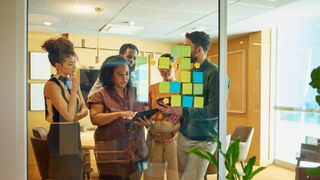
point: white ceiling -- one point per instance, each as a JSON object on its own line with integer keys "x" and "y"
{"x": 164, "y": 20}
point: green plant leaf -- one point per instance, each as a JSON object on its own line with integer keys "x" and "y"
{"x": 318, "y": 99}
{"x": 255, "y": 172}
{"x": 313, "y": 171}
{"x": 234, "y": 151}
{"x": 249, "y": 166}
{"x": 315, "y": 74}
{"x": 204, "y": 155}
{"x": 216, "y": 139}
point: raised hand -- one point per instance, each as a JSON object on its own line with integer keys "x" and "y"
{"x": 74, "y": 84}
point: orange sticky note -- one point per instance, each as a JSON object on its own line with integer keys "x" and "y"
{"x": 196, "y": 65}
{"x": 166, "y": 101}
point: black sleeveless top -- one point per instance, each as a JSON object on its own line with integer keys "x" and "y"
{"x": 52, "y": 114}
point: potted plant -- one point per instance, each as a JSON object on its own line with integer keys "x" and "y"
{"x": 315, "y": 82}
{"x": 230, "y": 159}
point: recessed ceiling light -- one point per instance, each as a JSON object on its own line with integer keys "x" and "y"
{"x": 273, "y": 0}
{"x": 241, "y": 42}
{"x": 47, "y": 23}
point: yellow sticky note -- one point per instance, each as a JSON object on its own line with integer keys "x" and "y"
{"x": 186, "y": 88}
{"x": 185, "y": 76}
{"x": 176, "y": 100}
{"x": 166, "y": 100}
{"x": 185, "y": 63}
{"x": 164, "y": 87}
{"x": 198, "y": 102}
{"x": 185, "y": 51}
{"x": 164, "y": 63}
{"x": 196, "y": 65}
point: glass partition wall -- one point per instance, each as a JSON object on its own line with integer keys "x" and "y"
{"x": 158, "y": 95}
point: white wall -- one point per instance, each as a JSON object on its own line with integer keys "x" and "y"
{"x": 13, "y": 89}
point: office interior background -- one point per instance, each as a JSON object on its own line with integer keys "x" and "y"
{"x": 273, "y": 46}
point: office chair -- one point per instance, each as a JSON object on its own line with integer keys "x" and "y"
{"x": 39, "y": 132}
{"x": 245, "y": 134}
{"x": 211, "y": 168}
{"x": 309, "y": 153}
{"x": 41, "y": 152}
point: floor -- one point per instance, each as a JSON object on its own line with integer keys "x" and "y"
{"x": 270, "y": 173}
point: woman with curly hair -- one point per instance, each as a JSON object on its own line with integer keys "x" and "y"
{"x": 64, "y": 107}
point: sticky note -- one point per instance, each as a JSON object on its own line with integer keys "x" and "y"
{"x": 196, "y": 65}
{"x": 197, "y": 77}
{"x": 198, "y": 102}
{"x": 185, "y": 63}
{"x": 152, "y": 62}
{"x": 186, "y": 88}
{"x": 164, "y": 87}
{"x": 175, "y": 51}
{"x": 185, "y": 51}
{"x": 175, "y": 65}
{"x": 166, "y": 101}
{"x": 198, "y": 89}
{"x": 141, "y": 60}
{"x": 175, "y": 87}
{"x": 164, "y": 63}
{"x": 187, "y": 101}
{"x": 185, "y": 76}
{"x": 176, "y": 100}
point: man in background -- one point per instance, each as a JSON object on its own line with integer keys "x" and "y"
{"x": 129, "y": 52}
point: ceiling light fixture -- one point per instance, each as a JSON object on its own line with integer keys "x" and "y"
{"x": 98, "y": 10}
{"x": 47, "y": 23}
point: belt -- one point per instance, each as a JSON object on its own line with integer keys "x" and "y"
{"x": 163, "y": 138}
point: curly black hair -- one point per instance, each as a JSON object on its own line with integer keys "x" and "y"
{"x": 200, "y": 38}
{"x": 58, "y": 50}
{"x": 107, "y": 68}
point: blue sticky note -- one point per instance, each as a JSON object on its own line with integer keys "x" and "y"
{"x": 175, "y": 87}
{"x": 197, "y": 77}
{"x": 187, "y": 101}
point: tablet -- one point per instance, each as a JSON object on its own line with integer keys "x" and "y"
{"x": 146, "y": 114}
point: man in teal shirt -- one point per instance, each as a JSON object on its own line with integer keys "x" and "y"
{"x": 198, "y": 123}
